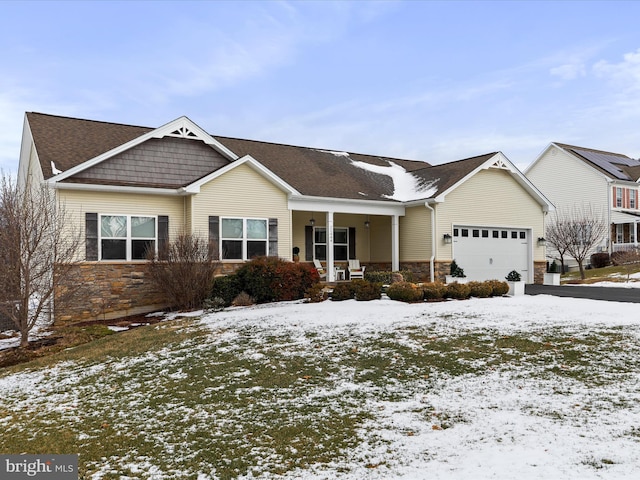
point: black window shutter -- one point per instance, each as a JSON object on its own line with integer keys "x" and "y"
{"x": 91, "y": 236}
{"x": 163, "y": 236}
{"x": 273, "y": 237}
{"x": 352, "y": 243}
{"x": 214, "y": 235}
{"x": 308, "y": 243}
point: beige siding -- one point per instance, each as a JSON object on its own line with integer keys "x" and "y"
{"x": 415, "y": 235}
{"x": 567, "y": 181}
{"x": 77, "y": 203}
{"x": 380, "y": 238}
{"x": 490, "y": 198}
{"x": 243, "y": 192}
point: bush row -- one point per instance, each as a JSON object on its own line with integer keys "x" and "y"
{"x": 361, "y": 290}
{"x": 265, "y": 279}
{"x": 410, "y": 292}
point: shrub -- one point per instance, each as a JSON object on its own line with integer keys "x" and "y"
{"x": 271, "y": 279}
{"x": 405, "y": 292}
{"x": 316, "y": 293}
{"x": 514, "y": 276}
{"x": 243, "y": 300}
{"x": 214, "y": 304}
{"x": 498, "y": 287}
{"x": 455, "y": 270}
{"x": 434, "y": 290}
{"x": 553, "y": 268}
{"x": 227, "y": 288}
{"x": 600, "y": 260}
{"x": 480, "y": 289}
{"x": 184, "y": 271}
{"x": 384, "y": 277}
{"x": 365, "y": 291}
{"x": 459, "y": 291}
{"x": 342, "y": 291}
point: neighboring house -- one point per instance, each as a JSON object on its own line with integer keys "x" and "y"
{"x": 582, "y": 178}
{"x": 131, "y": 188}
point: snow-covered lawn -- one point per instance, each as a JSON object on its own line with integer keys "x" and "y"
{"x": 517, "y": 387}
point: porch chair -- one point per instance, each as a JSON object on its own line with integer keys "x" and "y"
{"x": 355, "y": 270}
{"x": 321, "y": 271}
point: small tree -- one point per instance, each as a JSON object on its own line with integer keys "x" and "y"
{"x": 37, "y": 251}
{"x": 578, "y": 232}
{"x": 629, "y": 260}
{"x": 184, "y": 271}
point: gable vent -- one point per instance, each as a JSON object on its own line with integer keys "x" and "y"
{"x": 182, "y": 132}
{"x": 499, "y": 163}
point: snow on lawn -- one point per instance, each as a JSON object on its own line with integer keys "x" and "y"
{"x": 522, "y": 387}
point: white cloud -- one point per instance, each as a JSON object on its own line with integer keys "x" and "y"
{"x": 625, "y": 74}
{"x": 569, "y": 71}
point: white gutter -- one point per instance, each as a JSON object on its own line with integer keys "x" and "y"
{"x": 119, "y": 188}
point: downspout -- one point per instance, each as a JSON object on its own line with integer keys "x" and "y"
{"x": 433, "y": 240}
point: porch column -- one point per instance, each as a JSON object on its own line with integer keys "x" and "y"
{"x": 395, "y": 243}
{"x": 331, "y": 271}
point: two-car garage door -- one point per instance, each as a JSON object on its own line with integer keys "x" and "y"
{"x": 490, "y": 252}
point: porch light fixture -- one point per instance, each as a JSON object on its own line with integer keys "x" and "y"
{"x": 447, "y": 239}
{"x": 541, "y": 242}
{"x": 312, "y": 222}
{"x": 367, "y": 223}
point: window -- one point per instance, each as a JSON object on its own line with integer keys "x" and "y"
{"x": 340, "y": 244}
{"x": 619, "y": 233}
{"x": 523, "y": 235}
{"x": 514, "y": 235}
{"x": 618, "y": 197}
{"x": 243, "y": 238}
{"x": 485, "y": 233}
{"x": 504, "y": 234}
{"x": 127, "y": 237}
{"x": 465, "y": 232}
{"x": 632, "y": 198}
{"x": 495, "y": 233}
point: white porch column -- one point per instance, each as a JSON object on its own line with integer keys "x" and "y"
{"x": 331, "y": 271}
{"x": 395, "y": 243}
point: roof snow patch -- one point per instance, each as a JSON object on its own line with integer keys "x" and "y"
{"x": 406, "y": 187}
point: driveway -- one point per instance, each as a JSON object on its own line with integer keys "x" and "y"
{"x": 611, "y": 294}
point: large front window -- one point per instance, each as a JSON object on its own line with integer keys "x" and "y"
{"x": 243, "y": 238}
{"x": 340, "y": 244}
{"x": 127, "y": 237}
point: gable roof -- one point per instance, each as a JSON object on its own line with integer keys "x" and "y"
{"x": 614, "y": 165}
{"x": 79, "y": 151}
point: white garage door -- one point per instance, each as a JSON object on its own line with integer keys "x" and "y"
{"x": 491, "y": 253}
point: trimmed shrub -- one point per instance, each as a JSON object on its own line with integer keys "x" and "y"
{"x": 459, "y": 291}
{"x": 480, "y": 289}
{"x": 342, "y": 291}
{"x": 513, "y": 276}
{"x": 316, "y": 293}
{"x": 227, "y": 288}
{"x": 600, "y": 260}
{"x": 384, "y": 277}
{"x": 498, "y": 287}
{"x": 365, "y": 291}
{"x": 243, "y": 300}
{"x": 434, "y": 290}
{"x": 271, "y": 279}
{"x": 405, "y": 292}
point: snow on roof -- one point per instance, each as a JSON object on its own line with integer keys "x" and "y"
{"x": 406, "y": 186}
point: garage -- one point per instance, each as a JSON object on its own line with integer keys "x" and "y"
{"x": 491, "y": 252}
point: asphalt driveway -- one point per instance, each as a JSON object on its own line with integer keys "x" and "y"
{"x": 610, "y": 294}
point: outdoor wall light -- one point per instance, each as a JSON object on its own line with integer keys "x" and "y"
{"x": 312, "y": 221}
{"x": 367, "y": 223}
{"x": 447, "y": 238}
{"x": 541, "y": 242}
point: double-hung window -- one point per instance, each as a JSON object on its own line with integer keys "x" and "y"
{"x": 243, "y": 238}
{"x": 618, "y": 197}
{"x": 632, "y": 199}
{"x": 127, "y": 237}
{"x": 340, "y": 244}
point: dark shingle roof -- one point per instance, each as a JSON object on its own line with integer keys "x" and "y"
{"x": 69, "y": 142}
{"x": 615, "y": 165}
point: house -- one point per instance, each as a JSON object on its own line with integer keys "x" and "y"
{"x": 131, "y": 188}
{"x": 605, "y": 182}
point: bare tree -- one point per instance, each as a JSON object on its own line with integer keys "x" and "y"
{"x": 36, "y": 247}
{"x": 629, "y": 259}
{"x": 184, "y": 271}
{"x": 577, "y": 232}
{"x": 556, "y": 238}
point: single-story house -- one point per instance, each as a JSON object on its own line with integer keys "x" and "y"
{"x": 605, "y": 183}
{"x": 130, "y": 188}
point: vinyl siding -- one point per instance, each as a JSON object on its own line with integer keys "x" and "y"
{"x": 415, "y": 235}
{"x": 242, "y": 192}
{"x": 77, "y": 203}
{"x": 490, "y": 198}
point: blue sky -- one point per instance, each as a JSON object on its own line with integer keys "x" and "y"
{"x": 432, "y": 81}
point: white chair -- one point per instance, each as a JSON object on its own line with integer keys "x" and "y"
{"x": 355, "y": 270}
{"x": 321, "y": 271}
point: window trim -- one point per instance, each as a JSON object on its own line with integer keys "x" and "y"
{"x": 619, "y": 196}
{"x": 127, "y": 238}
{"x": 244, "y": 238}
{"x": 346, "y": 245}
